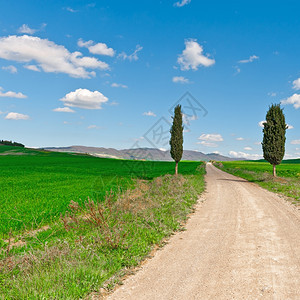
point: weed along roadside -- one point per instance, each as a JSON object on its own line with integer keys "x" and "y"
{"x": 95, "y": 243}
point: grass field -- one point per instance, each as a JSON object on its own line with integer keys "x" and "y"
{"x": 260, "y": 172}
{"x": 36, "y": 187}
{"x": 89, "y": 243}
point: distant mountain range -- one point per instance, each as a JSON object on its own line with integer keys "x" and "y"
{"x": 141, "y": 153}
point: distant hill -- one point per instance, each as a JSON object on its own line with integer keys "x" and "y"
{"x": 141, "y": 153}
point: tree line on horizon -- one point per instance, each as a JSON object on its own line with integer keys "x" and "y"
{"x": 11, "y": 143}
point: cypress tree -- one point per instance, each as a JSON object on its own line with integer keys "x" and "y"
{"x": 176, "y": 141}
{"x": 274, "y": 136}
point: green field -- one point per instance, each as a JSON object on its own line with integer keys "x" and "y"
{"x": 38, "y": 186}
{"x": 95, "y": 240}
{"x": 260, "y": 172}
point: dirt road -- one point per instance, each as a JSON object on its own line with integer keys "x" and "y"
{"x": 242, "y": 243}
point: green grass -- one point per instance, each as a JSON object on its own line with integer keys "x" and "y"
{"x": 95, "y": 243}
{"x": 37, "y": 187}
{"x": 260, "y": 172}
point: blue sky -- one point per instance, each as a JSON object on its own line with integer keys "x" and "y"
{"x": 105, "y": 73}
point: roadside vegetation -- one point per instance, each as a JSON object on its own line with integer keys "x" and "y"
{"x": 287, "y": 183}
{"x": 71, "y": 224}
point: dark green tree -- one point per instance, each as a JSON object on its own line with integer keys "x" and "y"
{"x": 176, "y": 141}
{"x": 274, "y": 136}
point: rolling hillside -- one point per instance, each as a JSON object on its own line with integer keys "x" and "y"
{"x": 142, "y": 153}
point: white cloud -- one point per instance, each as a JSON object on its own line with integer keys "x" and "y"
{"x": 295, "y": 100}
{"x": 296, "y": 84}
{"x": 49, "y": 56}
{"x": 11, "y": 69}
{"x": 182, "y": 3}
{"x": 192, "y": 57}
{"x": 272, "y": 94}
{"x": 64, "y": 109}
{"x": 84, "y": 98}
{"x": 295, "y": 142}
{"x": 211, "y": 137}
{"x": 240, "y": 139}
{"x": 70, "y": 9}
{"x": 237, "y": 70}
{"x": 187, "y": 118}
{"x": 248, "y": 148}
{"x": 208, "y": 144}
{"x": 93, "y": 127}
{"x": 99, "y": 48}
{"x": 11, "y": 94}
{"x": 16, "y": 116}
{"x": 262, "y": 126}
{"x": 26, "y": 29}
{"x": 180, "y": 79}
{"x": 235, "y": 154}
{"x": 119, "y": 85}
{"x": 261, "y": 123}
{"x": 257, "y": 143}
{"x": 250, "y": 59}
{"x": 32, "y": 68}
{"x": 149, "y": 114}
{"x": 132, "y": 56}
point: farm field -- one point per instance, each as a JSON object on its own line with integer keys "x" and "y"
{"x": 71, "y": 224}
{"x": 288, "y": 175}
{"x": 37, "y": 187}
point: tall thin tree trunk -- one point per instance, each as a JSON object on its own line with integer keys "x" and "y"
{"x": 176, "y": 168}
{"x": 274, "y": 170}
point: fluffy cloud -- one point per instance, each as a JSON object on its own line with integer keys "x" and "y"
{"x": 180, "y": 79}
{"x": 250, "y": 59}
{"x": 26, "y": 29}
{"x": 296, "y": 84}
{"x": 84, "y": 98}
{"x": 49, "y": 56}
{"x": 64, "y": 109}
{"x": 99, "y": 48}
{"x": 93, "y": 127}
{"x": 211, "y": 137}
{"x": 244, "y": 155}
{"x": 248, "y": 148}
{"x": 16, "y": 116}
{"x": 192, "y": 57}
{"x": 119, "y": 85}
{"x": 11, "y": 69}
{"x": 261, "y": 124}
{"x": 182, "y": 3}
{"x": 32, "y": 68}
{"x": 70, "y": 9}
{"x": 132, "y": 56}
{"x": 295, "y": 100}
{"x": 295, "y": 142}
{"x": 240, "y": 139}
{"x": 149, "y": 114}
{"x": 11, "y": 94}
{"x": 208, "y": 144}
